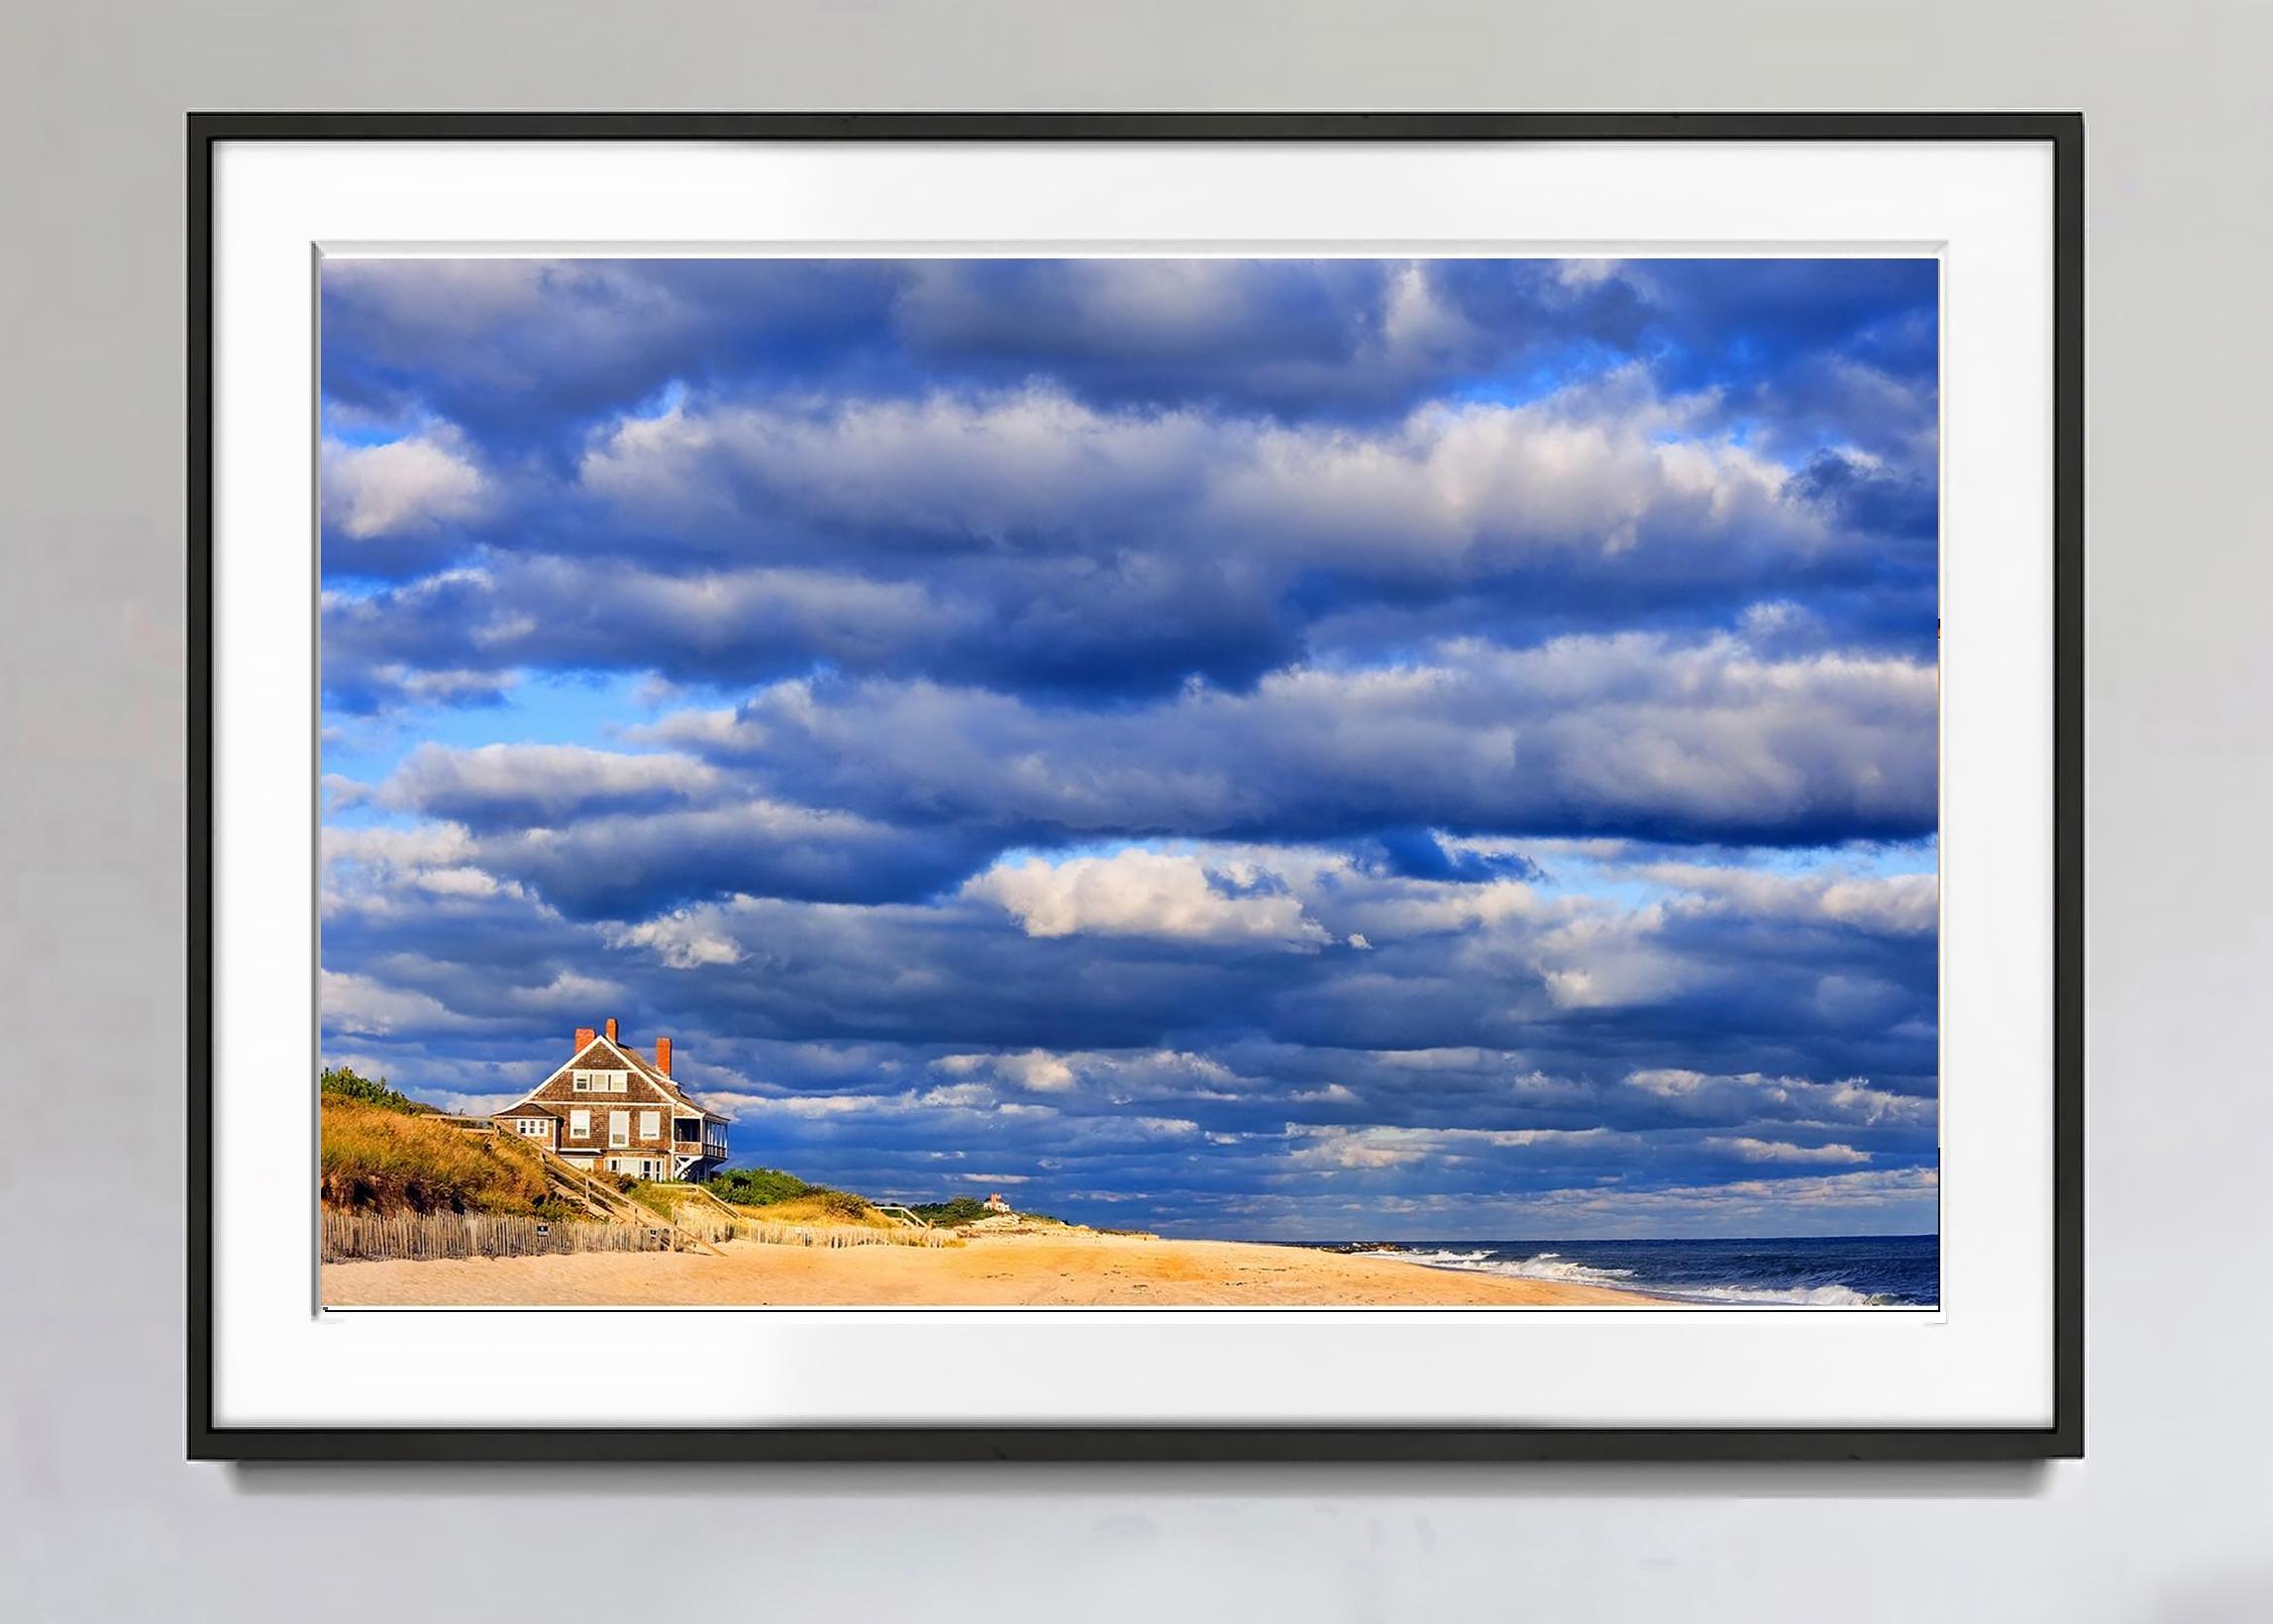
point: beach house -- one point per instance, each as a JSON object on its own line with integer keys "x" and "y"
{"x": 996, "y": 1204}
{"x": 609, "y": 1107}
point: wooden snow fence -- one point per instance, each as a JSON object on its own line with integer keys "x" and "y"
{"x": 834, "y": 1235}
{"x": 354, "y": 1237}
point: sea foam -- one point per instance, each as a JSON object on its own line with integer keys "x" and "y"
{"x": 1549, "y": 1265}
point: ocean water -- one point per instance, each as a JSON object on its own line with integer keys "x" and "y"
{"x": 1868, "y": 1272}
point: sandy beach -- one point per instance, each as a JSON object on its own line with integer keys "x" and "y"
{"x": 1077, "y": 1271}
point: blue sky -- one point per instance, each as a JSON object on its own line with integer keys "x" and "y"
{"x": 1321, "y": 749}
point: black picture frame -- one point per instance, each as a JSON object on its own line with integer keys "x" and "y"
{"x": 2062, "y": 1438}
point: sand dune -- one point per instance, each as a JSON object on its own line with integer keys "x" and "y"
{"x": 1073, "y": 1270}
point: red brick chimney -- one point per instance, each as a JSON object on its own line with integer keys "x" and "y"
{"x": 662, "y": 1056}
{"x": 584, "y": 1037}
{"x": 611, "y": 1029}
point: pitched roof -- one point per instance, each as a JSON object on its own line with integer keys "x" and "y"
{"x": 647, "y": 1069}
{"x": 602, "y": 1052}
{"x": 527, "y": 1108}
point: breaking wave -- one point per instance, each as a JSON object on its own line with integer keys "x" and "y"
{"x": 1550, "y": 1265}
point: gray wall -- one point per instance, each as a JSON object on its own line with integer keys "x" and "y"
{"x": 2170, "y": 1517}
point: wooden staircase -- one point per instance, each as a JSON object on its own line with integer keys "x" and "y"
{"x": 598, "y": 1197}
{"x": 703, "y": 1195}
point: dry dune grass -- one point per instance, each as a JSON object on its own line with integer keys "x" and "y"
{"x": 826, "y": 1208}
{"x": 390, "y": 1162}
{"x": 698, "y": 1207}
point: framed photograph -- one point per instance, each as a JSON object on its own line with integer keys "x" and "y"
{"x": 1328, "y": 786}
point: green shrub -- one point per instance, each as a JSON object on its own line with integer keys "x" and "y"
{"x": 962, "y": 1209}
{"x": 968, "y": 1209}
{"x": 342, "y": 1083}
{"x": 759, "y": 1186}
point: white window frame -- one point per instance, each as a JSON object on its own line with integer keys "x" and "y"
{"x": 619, "y": 1129}
{"x": 582, "y": 1082}
{"x": 650, "y": 1125}
{"x": 580, "y": 1124}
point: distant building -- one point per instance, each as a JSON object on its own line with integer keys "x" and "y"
{"x": 610, "y": 1107}
{"x": 996, "y": 1204}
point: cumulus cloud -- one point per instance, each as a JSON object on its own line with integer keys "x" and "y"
{"x": 1902, "y": 904}
{"x": 1254, "y": 747}
{"x": 1146, "y": 893}
{"x": 1371, "y": 1149}
{"x": 679, "y": 939}
{"x": 1114, "y": 1076}
{"x": 1036, "y": 1070}
{"x": 517, "y": 786}
{"x": 1029, "y": 537}
{"x": 396, "y": 486}
{"x": 362, "y": 1006}
{"x": 1635, "y": 734}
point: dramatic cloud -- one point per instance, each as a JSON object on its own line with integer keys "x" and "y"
{"x": 1147, "y": 893}
{"x": 1317, "y": 748}
{"x": 1634, "y": 735}
{"x": 410, "y": 484}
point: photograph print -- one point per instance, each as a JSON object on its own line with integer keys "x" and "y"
{"x": 1245, "y": 782}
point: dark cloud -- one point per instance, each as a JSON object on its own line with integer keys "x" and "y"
{"x": 1870, "y": 501}
{"x": 1259, "y": 746}
{"x": 1627, "y": 736}
{"x": 867, "y": 1039}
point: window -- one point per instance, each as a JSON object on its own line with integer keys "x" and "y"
{"x": 534, "y": 1127}
{"x": 619, "y": 1127}
{"x": 583, "y": 1082}
{"x": 651, "y": 1124}
{"x": 580, "y": 1124}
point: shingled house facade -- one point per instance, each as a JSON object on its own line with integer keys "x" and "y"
{"x": 611, "y": 1107}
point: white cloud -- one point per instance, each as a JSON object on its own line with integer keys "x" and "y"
{"x": 1137, "y": 892}
{"x": 569, "y": 991}
{"x": 817, "y": 1105}
{"x": 399, "y": 486}
{"x": 1034, "y": 1068}
{"x": 466, "y": 882}
{"x": 960, "y": 1096}
{"x": 1702, "y": 735}
{"x": 368, "y": 1007}
{"x": 684, "y": 940}
{"x": 1848, "y": 1102}
{"x": 1893, "y": 904}
{"x": 1591, "y": 471}
{"x": 1372, "y": 1148}
{"x": 1037, "y": 1070}
{"x": 1768, "y": 1150}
